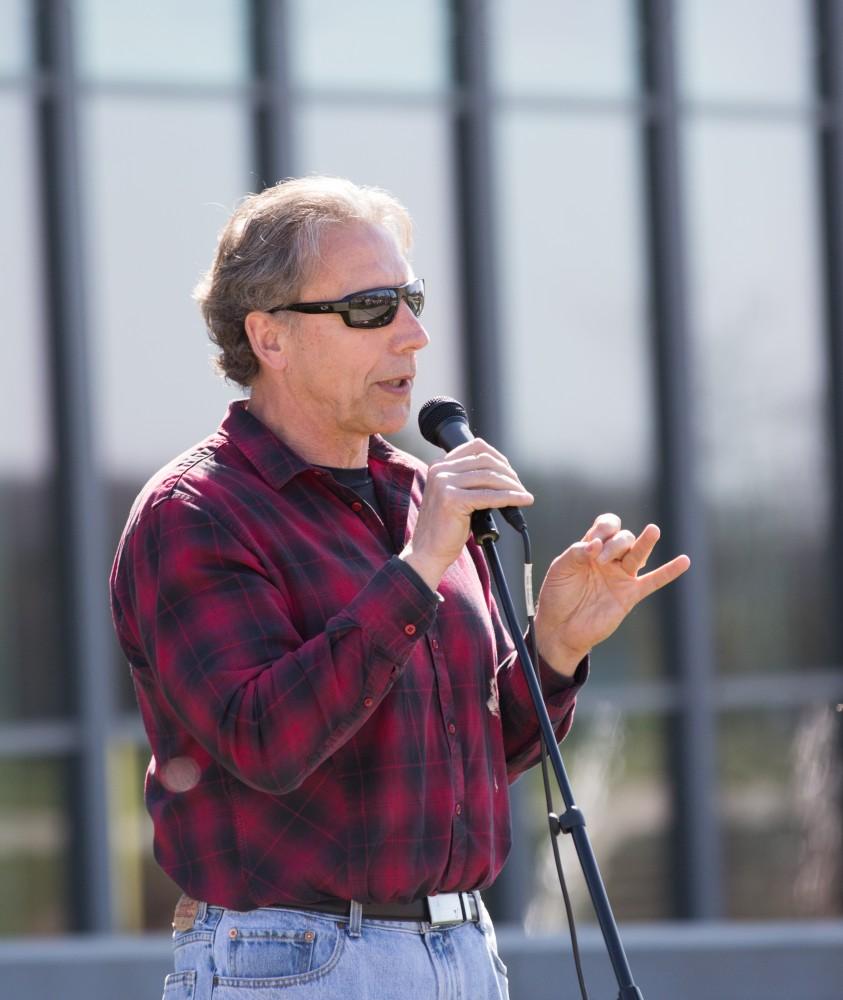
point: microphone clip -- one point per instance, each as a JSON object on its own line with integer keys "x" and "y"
{"x": 483, "y": 527}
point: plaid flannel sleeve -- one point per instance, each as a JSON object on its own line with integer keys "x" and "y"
{"x": 268, "y": 703}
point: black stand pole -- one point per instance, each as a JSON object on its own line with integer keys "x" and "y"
{"x": 572, "y": 820}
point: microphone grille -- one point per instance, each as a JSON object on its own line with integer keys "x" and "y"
{"x": 435, "y": 411}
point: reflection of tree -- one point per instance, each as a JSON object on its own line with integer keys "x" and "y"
{"x": 617, "y": 774}
{"x": 771, "y": 589}
{"x": 34, "y": 839}
{"x": 815, "y": 798}
{"x": 781, "y": 806}
{"x": 34, "y": 677}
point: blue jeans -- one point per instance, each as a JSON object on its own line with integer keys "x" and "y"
{"x": 273, "y": 953}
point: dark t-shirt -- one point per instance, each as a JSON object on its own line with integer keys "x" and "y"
{"x": 359, "y": 480}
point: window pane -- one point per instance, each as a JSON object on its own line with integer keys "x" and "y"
{"x": 577, "y": 397}
{"x": 759, "y": 365}
{"x": 32, "y": 678}
{"x": 14, "y": 37}
{"x": 744, "y": 50}
{"x": 781, "y": 812}
{"x": 617, "y": 768}
{"x": 414, "y": 167}
{"x": 146, "y": 897}
{"x": 161, "y": 179}
{"x": 564, "y": 47}
{"x": 34, "y": 836}
{"x": 370, "y": 44}
{"x": 197, "y": 41}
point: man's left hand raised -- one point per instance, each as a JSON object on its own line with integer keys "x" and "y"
{"x": 592, "y": 586}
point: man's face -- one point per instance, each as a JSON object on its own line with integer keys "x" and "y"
{"x": 347, "y": 383}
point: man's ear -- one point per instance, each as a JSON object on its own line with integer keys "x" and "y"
{"x": 267, "y": 335}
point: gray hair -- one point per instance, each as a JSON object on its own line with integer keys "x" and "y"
{"x": 270, "y": 247}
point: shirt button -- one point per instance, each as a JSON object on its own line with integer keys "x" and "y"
{"x": 357, "y": 506}
{"x": 458, "y": 809}
{"x": 434, "y": 644}
{"x": 368, "y": 702}
{"x": 410, "y": 629}
{"x": 233, "y": 932}
{"x": 451, "y": 728}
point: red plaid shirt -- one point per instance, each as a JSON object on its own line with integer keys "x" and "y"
{"x": 322, "y": 724}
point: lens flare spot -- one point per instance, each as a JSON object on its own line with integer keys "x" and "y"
{"x": 179, "y": 774}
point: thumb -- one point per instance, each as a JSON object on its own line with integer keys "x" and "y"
{"x": 581, "y": 553}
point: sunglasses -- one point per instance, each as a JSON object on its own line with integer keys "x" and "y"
{"x": 367, "y": 310}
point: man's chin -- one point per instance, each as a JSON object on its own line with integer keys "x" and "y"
{"x": 395, "y": 422}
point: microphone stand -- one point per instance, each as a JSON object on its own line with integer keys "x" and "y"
{"x": 572, "y": 820}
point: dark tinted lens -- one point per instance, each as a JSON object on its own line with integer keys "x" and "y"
{"x": 415, "y": 297}
{"x": 373, "y": 309}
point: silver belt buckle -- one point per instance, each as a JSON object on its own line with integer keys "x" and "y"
{"x": 446, "y": 908}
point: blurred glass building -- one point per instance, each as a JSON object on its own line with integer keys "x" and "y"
{"x": 629, "y": 216}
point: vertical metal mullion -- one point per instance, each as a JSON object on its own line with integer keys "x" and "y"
{"x": 828, "y": 25}
{"x": 828, "y": 45}
{"x": 273, "y": 117}
{"x": 475, "y": 199}
{"x": 82, "y": 521}
{"x": 688, "y": 615}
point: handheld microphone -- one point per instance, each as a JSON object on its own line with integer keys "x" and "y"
{"x": 444, "y": 422}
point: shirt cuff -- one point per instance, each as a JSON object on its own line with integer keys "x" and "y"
{"x": 393, "y": 611}
{"x": 557, "y": 686}
{"x": 414, "y": 578}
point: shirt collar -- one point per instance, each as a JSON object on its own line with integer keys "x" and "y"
{"x": 275, "y": 461}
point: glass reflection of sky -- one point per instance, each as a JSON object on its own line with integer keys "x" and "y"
{"x": 25, "y": 383}
{"x": 370, "y": 44}
{"x": 754, "y": 286}
{"x": 571, "y": 260}
{"x": 159, "y": 185}
{"x": 190, "y": 41}
{"x": 565, "y": 47}
{"x": 14, "y": 45}
{"x": 744, "y": 50}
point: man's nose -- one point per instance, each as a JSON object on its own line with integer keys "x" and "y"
{"x": 410, "y": 334}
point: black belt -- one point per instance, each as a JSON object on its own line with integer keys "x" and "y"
{"x": 444, "y": 908}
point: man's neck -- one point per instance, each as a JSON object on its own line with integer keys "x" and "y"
{"x": 310, "y": 442}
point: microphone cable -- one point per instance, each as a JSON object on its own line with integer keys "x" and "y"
{"x": 552, "y": 818}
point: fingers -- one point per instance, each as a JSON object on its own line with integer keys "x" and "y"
{"x": 617, "y": 547}
{"x": 475, "y": 455}
{"x": 472, "y": 462}
{"x": 620, "y": 544}
{"x": 481, "y": 488}
{"x": 477, "y": 446}
{"x": 635, "y": 559}
{"x": 661, "y": 577}
{"x": 582, "y": 552}
{"x": 605, "y": 525}
{"x": 604, "y": 542}
{"x": 610, "y": 543}
{"x": 476, "y": 476}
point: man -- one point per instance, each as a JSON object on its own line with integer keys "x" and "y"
{"x": 332, "y": 703}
